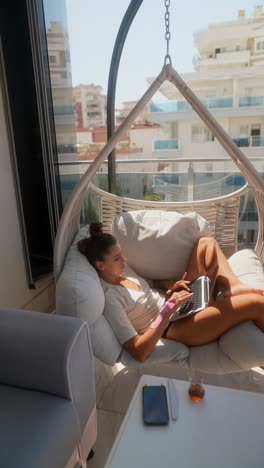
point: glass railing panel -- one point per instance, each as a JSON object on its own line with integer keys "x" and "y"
{"x": 63, "y": 110}
{"x": 242, "y": 142}
{"x": 198, "y": 179}
{"x": 218, "y": 103}
{"x": 169, "y": 180}
{"x": 181, "y": 106}
{"x": 251, "y": 101}
{"x": 165, "y": 144}
{"x": 257, "y": 140}
{"x": 171, "y": 106}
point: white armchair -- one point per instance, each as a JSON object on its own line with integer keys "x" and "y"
{"x": 47, "y": 390}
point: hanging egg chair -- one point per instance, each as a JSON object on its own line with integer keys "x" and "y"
{"x": 78, "y": 288}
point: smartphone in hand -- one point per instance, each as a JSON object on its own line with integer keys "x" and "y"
{"x": 155, "y": 405}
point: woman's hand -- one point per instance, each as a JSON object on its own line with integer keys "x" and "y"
{"x": 180, "y": 297}
{"x": 182, "y": 283}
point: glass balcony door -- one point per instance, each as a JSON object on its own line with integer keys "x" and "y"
{"x": 28, "y": 94}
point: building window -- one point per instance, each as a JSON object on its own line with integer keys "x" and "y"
{"x": 201, "y": 134}
{"x": 52, "y": 59}
{"x": 260, "y": 45}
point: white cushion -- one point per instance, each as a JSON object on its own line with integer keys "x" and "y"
{"x": 244, "y": 344}
{"x": 158, "y": 244}
{"x": 248, "y": 268}
{"x": 79, "y": 285}
{"x": 79, "y": 293}
{"x": 211, "y": 359}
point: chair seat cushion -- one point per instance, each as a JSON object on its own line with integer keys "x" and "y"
{"x": 244, "y": 344}
{"x": 242, "y": 347}
{"x": 38, "y": 430}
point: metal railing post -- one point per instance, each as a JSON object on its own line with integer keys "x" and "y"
{"x": 111, "y": 89}
{"x": 190, "y": 182}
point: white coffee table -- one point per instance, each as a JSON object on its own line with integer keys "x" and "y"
{"x": 225, "y": 430}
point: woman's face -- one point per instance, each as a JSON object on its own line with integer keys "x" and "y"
{"x": 114, "y": 262}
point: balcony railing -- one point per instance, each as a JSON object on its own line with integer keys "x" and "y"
{"x": 247, "y": 101}
{"x": 67, "y": 149}
{"x": 63, "y": 110}
{"x": 252, "y": 141}
{"x": 218, "y": 103}
{"x": 242, "y": 142}
{"x": 200, "y": 178}
{"x": 210, "y": 103}
{"x": 181, "y": 106}
{"x": 170, "y": 180}
{"x": 165, "y": 145}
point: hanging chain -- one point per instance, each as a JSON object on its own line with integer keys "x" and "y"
{"x": 167, "y": 33}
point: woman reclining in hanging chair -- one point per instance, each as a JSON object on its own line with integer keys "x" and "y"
{"x": 138, "y": 314}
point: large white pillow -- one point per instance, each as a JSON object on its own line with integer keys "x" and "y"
{"x": 78, "y": 289}
{"x": 79, "y": 293}
{"x": 158, "y": 244}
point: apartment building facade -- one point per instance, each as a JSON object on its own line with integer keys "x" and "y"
{"x": 62, "y": 95}
{"x": 90, "y": 105}
{"x": 228, "y": 78}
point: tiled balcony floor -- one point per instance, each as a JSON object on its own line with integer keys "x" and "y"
{"x": 113, "y": 400}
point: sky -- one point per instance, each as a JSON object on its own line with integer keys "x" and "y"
{"x": 93, "y": 26}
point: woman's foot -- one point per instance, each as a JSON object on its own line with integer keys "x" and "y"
{"x": 240, "y": 288}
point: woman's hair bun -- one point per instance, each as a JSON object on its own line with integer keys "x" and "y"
{"x": 96, "y": 230}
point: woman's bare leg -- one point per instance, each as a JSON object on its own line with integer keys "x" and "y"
{"x": 203, "y": 259}
{"x": 208, "y": 259}
{"x": 209, "y": 324}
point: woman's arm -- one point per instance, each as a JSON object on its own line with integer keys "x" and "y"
{"x": 170, "y": 285}
{"x": 141, "y": 346}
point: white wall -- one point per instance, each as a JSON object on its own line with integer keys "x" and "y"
{"x": 84, "y": 138}
{"x": 144, "y": 137}
{"x": 14, "y": 291}
{"x": 199, "y": 150}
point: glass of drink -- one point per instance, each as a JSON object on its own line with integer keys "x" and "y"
{"x": 196, "y": 390}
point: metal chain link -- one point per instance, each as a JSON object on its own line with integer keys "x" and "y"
{"x": 167, "y": 33}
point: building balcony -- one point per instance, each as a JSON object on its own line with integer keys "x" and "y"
{"x": 247, "y": 101}
{"x": 249, "y": 142}
{"x": 166, "y": 148}
{"x": 165, "y": 145}
{"x": 222, "y": 58}
{"x": 182, "y": 106}
{"x": 63, "y": 110}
